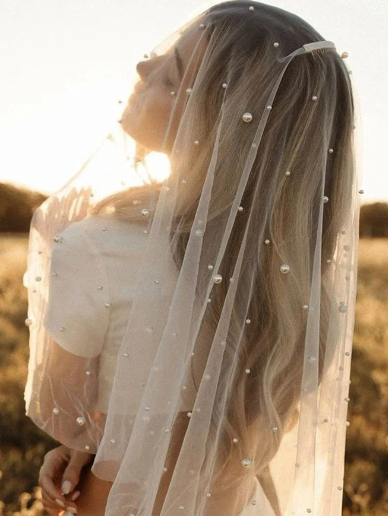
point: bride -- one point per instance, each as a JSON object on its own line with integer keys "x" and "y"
{"x": 255, "y": 112}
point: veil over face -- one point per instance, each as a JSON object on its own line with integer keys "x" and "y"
{"x": 235, "y": 173}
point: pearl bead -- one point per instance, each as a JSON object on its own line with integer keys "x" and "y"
{"x": 308, "y": 510}
{"x": 331, "y": 151}
{"x": 275, "y": 429}
{"x": 88, "y": 373}
{"x": 196, "y": 142}
{"x": 328, "y": 260}
{"x": 57, "y": 238}
{"x": 100, "y": 288}
{"x": 208, "y": 495}
{"x": 305, "y": 307}
{"x": 28, "y": 322}
{"x": 247, "y": 117}
{"x": 80, "y": 421}
{"x": 217, "y": 278}
{"x": 56, "y": 411}
{"x": 210, "y": 267}
{"x": 240, "y": 208}
{"x": 314, "y": 98}
{"x": 247, "y": 371}
{"x": 361, "y": 191}
{"x": 326, "y": 420}
{"x": 188, "y": 91}
{"x": 246, "y": 463}
{"x": 224, "y": 85}
{"x": 347, "y": 399}
{"x": 54, "y": 274}
{"x": 251, "y": 8}
{"x": 276, "y": 44}
{"x": 248, "y": 321}
{"x": 269, "y": 108}
{"x": 207, "y": 376}
{"x": 156, "y": 281}
{"x": 235, "y": 440}
{"x": 38, "y": 278}
{"x": 201, "y": 25}
{"x": 266, "y": 241}
{"x": 104, "y": 229}
{"x": 172, "y": 93}
{"x": 181, "y": 507}
{"x": 347, "y": 353}
{"x": 343, "y": 309}
{"x": 125, "y": 354}
{"x": 347, "y": 423}
{"x": 87, "y": 447}
{"x": 145, "y": 212}
{"x": 254, "y": 502}
{"x": 288, "y": 173}
{"x": 62, "y": 329}
{"x": 284, "y": 268}
{"x": 325, "y": 198}
{"x": 184, "y": 181}
{"x": 344, "y": 55}
{"x": 312, "y": 359}
{"x": 107, "y": 305}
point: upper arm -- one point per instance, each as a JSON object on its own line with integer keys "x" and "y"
{"x": 77, "y": 315}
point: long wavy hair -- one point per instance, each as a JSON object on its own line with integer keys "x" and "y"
{"x": 240, "y": 47}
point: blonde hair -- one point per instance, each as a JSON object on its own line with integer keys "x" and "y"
{"x": 296, "y": 136}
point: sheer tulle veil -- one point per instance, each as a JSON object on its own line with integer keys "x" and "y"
{"x": 238, "y": 155}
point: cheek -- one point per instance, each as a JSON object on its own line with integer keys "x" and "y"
{"x": 150, "y": 110}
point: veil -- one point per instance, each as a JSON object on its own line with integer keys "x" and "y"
{"x": 219, "y": 220}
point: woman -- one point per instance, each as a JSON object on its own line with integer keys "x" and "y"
{"x": 190, "y": 338}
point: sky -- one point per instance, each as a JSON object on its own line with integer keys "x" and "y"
{"x": 65, "y": 65}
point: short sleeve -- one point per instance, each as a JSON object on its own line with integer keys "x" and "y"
{"x": 77, "y": 315}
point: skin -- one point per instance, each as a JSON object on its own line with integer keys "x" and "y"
{"x": 146, "y": 119}
{"x": 146, "y": 116}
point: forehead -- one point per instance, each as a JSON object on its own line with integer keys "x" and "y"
{"x": 187, "y": 42}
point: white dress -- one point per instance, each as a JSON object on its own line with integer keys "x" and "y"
{"x": 104, "y": 254}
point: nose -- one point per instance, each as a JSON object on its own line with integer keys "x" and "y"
{"x": 142, "y": 69}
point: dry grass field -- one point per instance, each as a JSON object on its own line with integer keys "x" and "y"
{"x": 366, "y": 475}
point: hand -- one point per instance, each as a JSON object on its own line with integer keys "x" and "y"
{"x": 59, "y": 476}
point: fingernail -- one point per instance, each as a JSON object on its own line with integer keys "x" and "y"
{"x": 73, "y": 510}
{"x": 59, "y": 502}
{"x": 66, "y": 487}
{"x": 75, "y": 495}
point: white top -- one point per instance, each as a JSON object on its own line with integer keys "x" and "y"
{"x": 95, "y": 266}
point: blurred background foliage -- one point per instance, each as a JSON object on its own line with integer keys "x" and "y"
{"x": 23, "y": 445}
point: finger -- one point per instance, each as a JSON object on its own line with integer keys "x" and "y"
{"x": 48, "y": 487}
{"x": 71, "y": 474}
{"x": 52, "y": 503}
